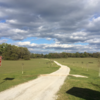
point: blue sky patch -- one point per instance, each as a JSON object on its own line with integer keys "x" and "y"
{"x": 39, "y": 40}
{"x": 81, "y": 43}
{"x": 2, "y": 21}
{"x": 31, "y": 40}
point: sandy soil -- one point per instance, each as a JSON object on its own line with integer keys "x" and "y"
{"x": 79, "y": 76}
{"x": 44, "y": 87}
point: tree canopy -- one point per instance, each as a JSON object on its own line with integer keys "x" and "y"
{"x": 66, "y": 55}
{"x": 12, "y": 52}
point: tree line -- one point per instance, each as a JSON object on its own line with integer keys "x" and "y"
{"x": 66, "y": 55}
{"x": 12, "y": 52}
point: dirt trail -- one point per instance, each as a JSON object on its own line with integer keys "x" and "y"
{"x": 44, "y": 87}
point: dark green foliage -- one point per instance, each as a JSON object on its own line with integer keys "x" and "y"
{"x": 12, "y": 52}
{"x": 73, "y": 55}
{"x": 37, "y": 56}
{"x": 66, "y": 55}
{"x": 2, "y": 47}
{"x": 26, "y": 57}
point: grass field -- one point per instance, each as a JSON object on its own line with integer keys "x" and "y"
{"x": 81, "y": 88}
{"x": 11, "y": 71}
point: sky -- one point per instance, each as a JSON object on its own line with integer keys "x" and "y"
{"x": 51, "y": 26}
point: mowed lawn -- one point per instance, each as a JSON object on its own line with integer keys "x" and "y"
{"x": 11, "y": 71}
{"x": 81, "y": 88}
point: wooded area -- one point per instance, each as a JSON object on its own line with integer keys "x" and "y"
{"x": 66, "y": 55}
{"x": 12, "y": 52}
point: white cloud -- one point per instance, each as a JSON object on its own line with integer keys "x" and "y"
{"x": 4, "y": 26}
{"x": 92, "y": 3}
{"x": 95, "y": 40}
{"x": 12, "y": 21}
{"x": 79, "y": 33}
{"x": 94, "y": 23}
{"x": 48, "y": 38}
{"x": 3, "y": 41}
{"x": 40, "y": 28}
{"x": 19, "y": 31}
{"x": 1, "y": 14}
{"x": 47, "y": 48}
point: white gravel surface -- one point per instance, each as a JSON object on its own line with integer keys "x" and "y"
{"x": 79, "y": 76}
{"x": 44, "y": 87}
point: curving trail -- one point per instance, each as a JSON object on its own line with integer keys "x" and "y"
{"x": 44, "y": 87}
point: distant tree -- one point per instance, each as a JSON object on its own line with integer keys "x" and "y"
{"x": 96, "y": 55}
{"x": 86, "y": 54}
{"x": 73, "y": 55}
{"x": 42, "y": 56}
{"x": 77, "y": 54}
{"x": 90, "y": 54}
{"x": 21, "y": 52}
{"x": 12, "y": 52}
{"x": 26, "y": 54}
{"x": 2, "y": 47}
{"x": 82, "y": 55}
{"x": 64, "y": 55}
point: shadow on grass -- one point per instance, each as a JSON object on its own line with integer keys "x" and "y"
{"x": 5, "y": 79}
{"x": 84, "y": 93}
{"x": 8, "y": 78}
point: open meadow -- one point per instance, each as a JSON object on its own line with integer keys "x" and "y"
{"x": 81, "y": 88}
{"x": 18, "y": 71}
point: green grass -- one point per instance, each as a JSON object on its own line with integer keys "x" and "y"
{"x": 11, "y": 71}
{"x": 81, "y": 88}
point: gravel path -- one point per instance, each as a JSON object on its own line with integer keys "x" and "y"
{"x": 44, "y": 87}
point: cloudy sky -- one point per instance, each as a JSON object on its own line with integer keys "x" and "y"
{"x": 45, "y": 26}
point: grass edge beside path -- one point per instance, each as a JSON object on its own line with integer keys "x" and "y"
{"x": 80, "y": 88}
